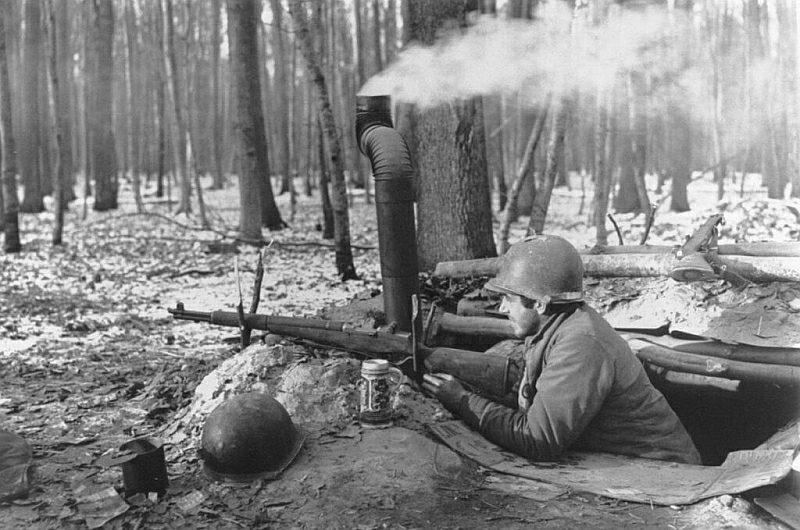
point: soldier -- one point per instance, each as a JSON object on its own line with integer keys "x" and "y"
{"x": 583, "y": 388}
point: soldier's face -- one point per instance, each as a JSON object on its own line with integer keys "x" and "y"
{"x": 524, "y": 320}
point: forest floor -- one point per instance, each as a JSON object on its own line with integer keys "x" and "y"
{"x": 90, "y": 358}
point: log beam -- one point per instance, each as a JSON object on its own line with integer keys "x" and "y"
{"x": 758, "y": 269}
{"x": 714, "y": 366}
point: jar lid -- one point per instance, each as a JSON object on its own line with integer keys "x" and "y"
{"x": 375, "y": 366}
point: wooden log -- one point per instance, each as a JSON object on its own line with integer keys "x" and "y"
{"x": 764, "y": 249}
{"x": 758, "y": 269}
{"x": 714, "y": 366}
{"x": 763, "y": 269}
{"x": 476, "y": 326}
{"x": 628, "y": 249}
{"x": 742, "y": 352}
{"x": 467, "y": 268}
{"x": 629, "y": 265}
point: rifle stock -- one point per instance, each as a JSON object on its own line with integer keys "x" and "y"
{"x": 488, "y": 373}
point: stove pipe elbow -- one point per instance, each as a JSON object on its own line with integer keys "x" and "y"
{"x": 393, "y": 173}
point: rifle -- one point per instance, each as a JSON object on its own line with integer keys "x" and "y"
{"x": 487, "y": 373}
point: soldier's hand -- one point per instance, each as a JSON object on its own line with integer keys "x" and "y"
{"x": 445, "y": 388}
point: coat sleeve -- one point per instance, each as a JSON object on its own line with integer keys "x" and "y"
{"x": 576, "y": 378}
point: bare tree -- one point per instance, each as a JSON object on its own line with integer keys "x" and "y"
{"x": 128, "y": 28}
{"x": 604, "y": 161}
{"x": 281, "y": 115}
{"x": 56, "y": 24}
{"x": 376, "y": 35}
{"x": 344, "y": 253}
{"x": 179, "y": 132}
{"x": 100, "y": 109}
{"x": 216, "y": 94}
{"x": 391, "y": 30}
{"x": 555, "y": 161}
{"x": 30, "y": 131}
{"x": 7, "y": 149}
{"x": 249, "y": 122}
{"x": 522, "y": 173}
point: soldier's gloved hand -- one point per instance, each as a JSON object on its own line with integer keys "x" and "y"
{"x": 445, "y": 388}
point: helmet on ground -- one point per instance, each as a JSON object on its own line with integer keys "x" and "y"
{"x": 541, "y": 267}
{"x": 248, "y": 437}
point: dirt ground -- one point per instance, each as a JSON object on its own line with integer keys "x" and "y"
{"x": 90, "y": 358}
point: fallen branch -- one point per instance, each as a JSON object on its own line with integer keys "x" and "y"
{"x": 199, "y": 272}
{"x": 474, "y": 326}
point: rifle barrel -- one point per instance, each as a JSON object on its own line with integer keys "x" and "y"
{"x": 197, "y": 316}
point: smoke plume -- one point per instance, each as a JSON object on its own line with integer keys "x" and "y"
{"x": 556, "y": 54}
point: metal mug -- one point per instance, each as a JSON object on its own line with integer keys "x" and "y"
{"x": 377, "y": 387}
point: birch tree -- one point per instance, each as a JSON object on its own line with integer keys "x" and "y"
{"x": 344, "y": 254}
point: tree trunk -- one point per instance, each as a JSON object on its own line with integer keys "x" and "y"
{"x": 281, "y": 116}
{"x": 218, "y": 122}
{"x": 179, "y": 144}
{"x": 376, "y": 35}
{"x": 344, "y": 253}
{"x": 30, "y": 131}
{"x": 65, "y": 75}
{"x": 605, "y": 160}
{"x": 328, "y": 223}
{"x": 161, "y": 118}
{"x": 794, "y": 117}
{"x": 522, "y": 174}
{"x": 390, "y": 26}
{"x": 492, "y": 110}
{"x": 85, "y": 101}
{"x": 632, "y": 196}
{"x": 129, "y": 96}
{"x": 639, "y": 125}
{"x": 56, "y": 23}
{"x": 555, "y": 159}
{"x": 680, "y": 159}
{"x": 8, "y": 168}
{"x": 254, "y": 185}
{"x": 362, "y": 175}
{"x": 103, "y": 154}
{"x": 454, "y": 216}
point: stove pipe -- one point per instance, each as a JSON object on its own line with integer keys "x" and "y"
{"x": 394, "y": 200}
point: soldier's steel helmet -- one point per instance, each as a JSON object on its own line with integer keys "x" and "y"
{"x": 541, "y": 267}
{"x": 248, "y": 437}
